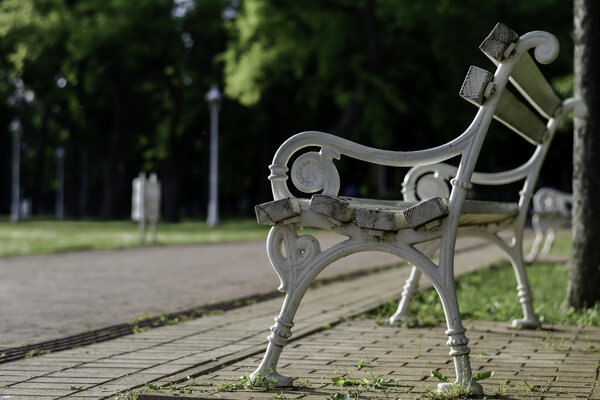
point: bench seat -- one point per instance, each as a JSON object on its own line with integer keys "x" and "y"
{"x": 386, "y": 215}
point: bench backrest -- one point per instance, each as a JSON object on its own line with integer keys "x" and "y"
{"x": 525, "y": 77}
{"x": 534, "y": 116}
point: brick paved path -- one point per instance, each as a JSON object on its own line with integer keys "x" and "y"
{"x": 557, "y": 362}
{"x": 51, "y": 296}
{"x": 218, "y": 349}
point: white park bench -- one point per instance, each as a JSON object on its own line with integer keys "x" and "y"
{"x": 551, "y": 211}
{"x": 434, "y": 210}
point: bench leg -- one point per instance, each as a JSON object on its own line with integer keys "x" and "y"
{"x": 537, "y": 242}
{"x": 296, "y": 269}
{"x": 410, "y": 289}
{"x": 550, "y": 236}
{"x": 457, "y": 340}
{"x": 278, "y": 339}
{"x": 408, "y": 292}
{"x": 515, "y": 254}
{"x": 529, "y": 320}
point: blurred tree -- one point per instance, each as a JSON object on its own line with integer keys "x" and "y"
{"x": 120, "y": 83}
{"x": 382, "y": 73}
{"x": 584, "y": 280}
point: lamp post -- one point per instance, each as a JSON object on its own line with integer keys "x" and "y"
{"x": 15, "y": 130}
{"x": 60, "y": 179}
{"x": 213, "y": 97}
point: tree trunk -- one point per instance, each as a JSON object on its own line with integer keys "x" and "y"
{"x": 584, "y": 280}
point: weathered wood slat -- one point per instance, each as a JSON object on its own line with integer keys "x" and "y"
{"x": 489, "y": 207}
{"x": 483, "y": 219}
{"x": 473, "y": 87}
{"x": 380, "y": 219}
{"x": 392, "y": 219}
{"x": 526, "y": 76}
{"x": 426, "y": 211}
{"x": 510, "y": 110}
{"x": 496, "y": 43}
{"x": 344, "y": 208}
{"x": 340, "y": 208}
{"x": 530, "y": 82}
{"x": 278, "y": 210}
{"x": 518, "y": 117}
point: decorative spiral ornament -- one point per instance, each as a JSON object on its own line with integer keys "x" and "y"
{"x": 277, "y": 257}
{"x": 546, "y": 45}
{"x": 307, "y": 172}
{"x": 580, "y": 109}
{"x": 307, "y": 247}
{"x": 314, "y": 171}
{"x": 299, "y": 251}
{"x": 432, "y": 185}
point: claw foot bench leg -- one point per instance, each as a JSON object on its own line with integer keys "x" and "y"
{"x": 281, "y": 331}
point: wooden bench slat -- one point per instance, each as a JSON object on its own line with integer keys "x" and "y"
{"x": 381, "y": 219}
{"x": 344, "y": 208}
{"x": 526, "y": 76}
{"x": 473, "y": 207}
{"x": 336, "y": 207}
{"x": 483, "y": 219}
{"x": 496, "y": 43}
{"x": 518, "y": 117}
{"x": 393, "y": 219}
{"x": 385, "y": 215}
{"x": 426, "y": 211}
{"x": 275, "y": 211}
{"x": 473, "y": 213}
{"x": 510, "y": 110}
{"x": 473, "y": 87}
{"x": 530, "y": 82}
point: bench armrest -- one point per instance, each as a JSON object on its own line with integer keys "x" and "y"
{"x": 314, "y": 170}
{"x": 429, "y": 181}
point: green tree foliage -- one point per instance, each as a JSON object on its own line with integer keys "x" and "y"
{"x": 120, "y": 85}
{"x": 384, "y": 73}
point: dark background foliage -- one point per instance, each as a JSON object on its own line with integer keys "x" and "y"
{"x": 384, "y": 73}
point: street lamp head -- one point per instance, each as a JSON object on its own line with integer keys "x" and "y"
{"x": 15, "y": 126}
{"x": 213, "y": 96}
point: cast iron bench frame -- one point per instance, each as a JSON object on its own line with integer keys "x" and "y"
{"x": 432, "y": 213}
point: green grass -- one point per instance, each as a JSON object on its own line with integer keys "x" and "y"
{"x": 490, "y": 294}
{"x": 33, "y": 237}
{"x": 562, "y": 243}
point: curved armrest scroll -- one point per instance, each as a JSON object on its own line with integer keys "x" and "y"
{"x": 416, "y": 186}
{"x": 314, "y": 171}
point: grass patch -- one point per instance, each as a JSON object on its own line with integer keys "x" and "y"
{"x": 35, "y": 236}
{"x": 490, "y": 294}
{"x": 562, "y": 243}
